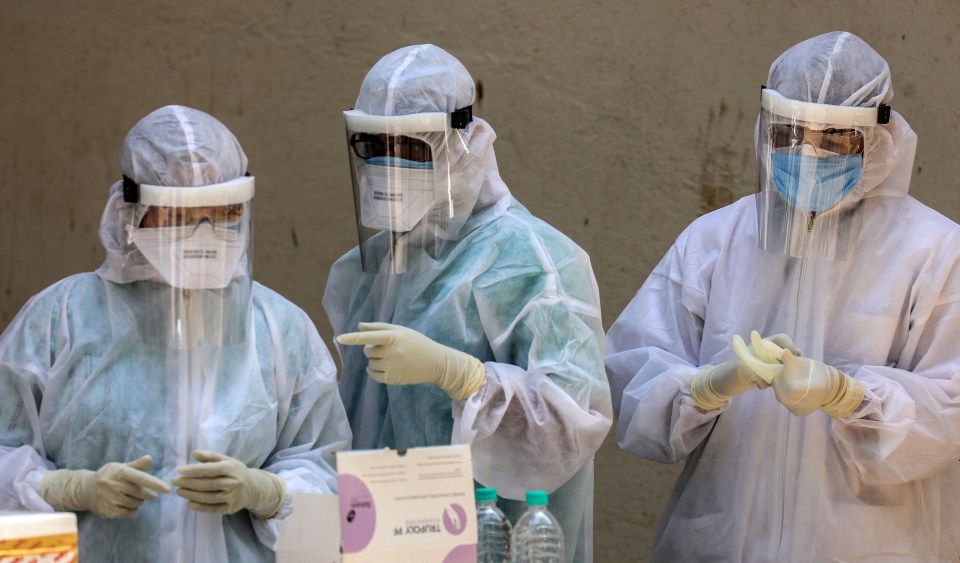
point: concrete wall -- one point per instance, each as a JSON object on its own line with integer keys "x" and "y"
{"x": 619, "y": 122}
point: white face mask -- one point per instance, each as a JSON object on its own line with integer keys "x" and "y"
{"x": 394, "y": 198}
{"x": 206, "y": 259}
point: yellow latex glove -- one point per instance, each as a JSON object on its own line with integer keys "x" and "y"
{"x": 402, "y": 356}
{"x": 222, "y": 484}
{"x": 711, "y": 388}
{"x": 116, "y": 490}
{"x": 807, "y": 385}
{"x": 763, "y": 358}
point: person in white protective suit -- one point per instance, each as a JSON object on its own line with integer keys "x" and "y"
{"x": 834, "y": 434}
{"x": 460, "y": 317}
{"x": 169, "y": 369}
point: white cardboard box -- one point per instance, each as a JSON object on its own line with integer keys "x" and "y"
{"x": 311, "y": 534}
{"x": 416, "y": 506}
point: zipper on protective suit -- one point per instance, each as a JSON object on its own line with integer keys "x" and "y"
{"x": 796, "y": 329}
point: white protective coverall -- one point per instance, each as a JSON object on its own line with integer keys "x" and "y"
{"x": 114, "y": 365}
{"x": 761, "y": 484}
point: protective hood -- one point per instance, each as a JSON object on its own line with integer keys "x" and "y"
{"x": 421, "y": 93}
{"x": 832, "y": 84}
{"x": 174, "y": 146}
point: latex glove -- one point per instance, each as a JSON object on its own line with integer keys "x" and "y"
{"x": 763, "y": 358}
{"x": 807, "y": 385}
{"x": 401, "y": 356}
{"x": 711, "y": 388}
{"x": 116, "y": 490}
{"x": 223, "y": 484}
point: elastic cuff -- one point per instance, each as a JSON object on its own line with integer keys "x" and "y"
{"x": 705, "y": 397}
{"x": 281, "y": 488}
{"x": 63, "y": 489}
{"x": 847, "y": 399}
{"x": 471, "y": 383}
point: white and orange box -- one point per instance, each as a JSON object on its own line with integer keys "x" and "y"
{"x": 38, "y": 537}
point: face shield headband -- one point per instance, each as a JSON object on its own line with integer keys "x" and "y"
{"x": 194, "y": 237}
{"x": 810, "y": 159}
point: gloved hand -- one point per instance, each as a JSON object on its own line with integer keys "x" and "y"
{"x": 401, "y": 356}
{"x": 116, "y": 490}
{"x": 711, "y": 388}
{"x": 763, "y": 359}
{"x": 222, "y": 484}
{"x": 807, "y": 385}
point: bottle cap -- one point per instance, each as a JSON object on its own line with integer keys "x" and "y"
{"x": 487, "y": 494}
{"x": 536, "y": 498}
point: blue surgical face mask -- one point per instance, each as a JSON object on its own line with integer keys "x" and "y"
{"x": 815, "y": 183}
{"x": 397, "y": 162}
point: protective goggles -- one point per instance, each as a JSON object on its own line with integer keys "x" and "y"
{"x": 839, "y": 141}
{"x": 370, "y": 145}
{"x": 225, "y": 218}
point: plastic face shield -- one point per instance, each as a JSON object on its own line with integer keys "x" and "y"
{"x": 811, "y": 160}
{"x": 400, "y": 168}
{"x": 196, "y": 237}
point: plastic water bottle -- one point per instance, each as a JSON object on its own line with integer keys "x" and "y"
{"x": 537, "y": 537}
{"x": 493, "y": 529}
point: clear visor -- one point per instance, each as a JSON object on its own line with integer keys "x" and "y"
{"x": 196, "y": 237}
{"x": 400, "y": 168}
{"x": 811, "y": 160}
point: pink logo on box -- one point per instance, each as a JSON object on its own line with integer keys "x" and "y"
{"x": 462, "y": 554}
{"x": 455, "y": 519}
{"x": 358, "y": 514}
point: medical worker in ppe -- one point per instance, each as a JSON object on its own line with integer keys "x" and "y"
{"x": 462, "y": 318}
{"x": 834, "y": 434}
{"x": 169, "y": 370}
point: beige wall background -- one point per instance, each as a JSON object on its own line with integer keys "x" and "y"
{"x": 619, "y": 122}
